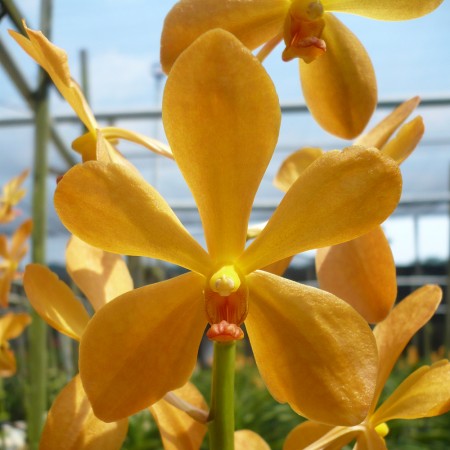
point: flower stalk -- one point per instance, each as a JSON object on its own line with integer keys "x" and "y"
{"x": 221, "y": 417}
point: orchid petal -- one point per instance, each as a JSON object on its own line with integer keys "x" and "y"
{"x": 4, "y": 253}
{"x": 18, "y": 241}
{"x": 12, "y": 325}
{"x": 307, "y": 433}
{"x": 54, "y": 301}
{"x": 100, "y": 275}
{"x": 96, "y": 201}
{"x": 86, "y": 146}
{"x": 361, "y": 272}
{"x": 8, "y": 365}
{"x": 8, "y": 213}
{"x": 72, "y": 425}
{"x": 294, "y": 165}
{"x": 104, "y": 150}
{"x": 369, "y": 439}
{"x": 142, "y": 345}
{"x": 313, "y": 350}
{"x": 249, "y": 440}
{"x": 399, "y": 327}
{"x": 232, "y": 125}
{"x": 380, "y": 134}
{"x": 12, "y": 193}
{"x": 55, "y": 62}
{"x": 337, "y": 198}
{"x": 383, "y": 9}
{"x": 6, "y": 277}
{"x": 95, "y": 147}
{"x": 253, "y": 23}
{"x": 112, "y": 133}
{"x": 425, "y": 393}
{"x": 406, "y": 140}
{"x": 340, "y": 86}
{"x": 178, "y": 430}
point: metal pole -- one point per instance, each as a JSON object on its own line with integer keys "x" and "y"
{"x": 84, "y": 78}
{"x": 15, "y": 75}
{"x": 14, "y": 13}
{"x": 447, "y": 291}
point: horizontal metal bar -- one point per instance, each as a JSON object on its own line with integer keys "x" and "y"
{"x": 382, "y": 104}
{"x": 156, "y": 112}
{"x": 269, "y": 205}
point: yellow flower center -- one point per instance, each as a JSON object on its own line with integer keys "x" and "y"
{"x": 225, "y": 281}
{"x": 382, "y": 429}
{"x": 226, "y": 302}
{"x": 303, "y": 28}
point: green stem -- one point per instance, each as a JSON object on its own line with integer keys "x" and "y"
{"x": 221, "y": 417}
{"x": 37, "y": 331}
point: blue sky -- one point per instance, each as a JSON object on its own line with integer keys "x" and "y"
{"x": 122, "y": 40}
{"x": 409, "y": 57}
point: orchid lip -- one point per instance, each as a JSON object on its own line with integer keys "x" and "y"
{"x": 302, "y": 31}
{"x": 225, "y": 332}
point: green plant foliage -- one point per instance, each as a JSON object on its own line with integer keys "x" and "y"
{"x": 258, "y": 411}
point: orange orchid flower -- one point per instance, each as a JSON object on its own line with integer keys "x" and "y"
{"x": 98, "y": 142}
{"x": 145, "y": 342}
{"x": 12, "y": 193}
{"x": 11, "y": 326}
{"x": 335, "y": 70}
{"x": 10, "y": 256}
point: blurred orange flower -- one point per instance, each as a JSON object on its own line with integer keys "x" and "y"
{"x": 335, "y": 70}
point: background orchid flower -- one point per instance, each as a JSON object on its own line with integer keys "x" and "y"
{"x": 380, "y": 136}
{"x": 71, "y": 423}
{"x": 55, "y": 62}
{"x": 362, "y": 271}
{"x": 12, "y": 193}
{"x": 335, "y": 70}
{"x": 145, "y": 342}
{"x": 181, "y": 423}
{"x": 425, "y": 393}
{"x": 11, "y": 253}
{"x": 249, "y": 440}
{"x": 11, "y": 326}
{"x": 172, "y": 424}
